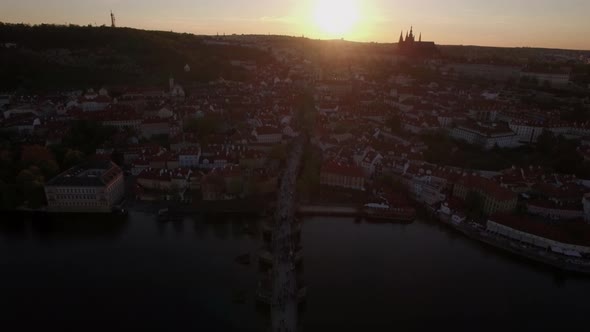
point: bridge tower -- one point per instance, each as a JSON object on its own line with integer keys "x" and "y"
{"x": 113, "y": 20}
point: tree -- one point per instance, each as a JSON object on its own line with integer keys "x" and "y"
{"x": 278, "y": 152}
{"x": 306, "y": 112}
{"x": 33, "y": 154}
{"x": 32, "y": 181}
{"x": 547, "y": 84}
{"x": 392, "y": 183}
{"x": 474, "y": 203}
{"x": 40, "y": 157}
{"x": 235, "y": 186}
{"x": 49, "y": 168}
{"x": 7, "y": 165}
{"x": 309, "y": 179}
{"x": 521, "y": 209}
{"x": 72, "y": 158}
{"x": 394, "y": 122}
{"x": 161, "y": 140}
{"x": 204, "y": 126}
{"x": 251, "y": 188}
{"x": 10, "y": 195}
{"x": 175, "y": 194}
{"x": 546, "y": 142}
{"x": 86, "y": 136}
{"x": 118, "y": 158}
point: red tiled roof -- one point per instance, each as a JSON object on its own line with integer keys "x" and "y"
{"x": 155, "y": 174}
{"x": 189, "y": 151}
{"x": 97, "y": 99}
{"x": 487, "y": 186}
{"x": 268, "y": 130}
{"x": 341, "y": 169}
{"x": 164, "y": 174}
{"x": 141, "y": 162}
{"x": 569, "y": 190}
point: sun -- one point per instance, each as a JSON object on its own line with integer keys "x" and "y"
{"x": 336, "y": 17}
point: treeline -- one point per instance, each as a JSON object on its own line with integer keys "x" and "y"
{"x": 552, "y": 152}
{"x": 25, "y": 168}
{"x": 55, "y": 56}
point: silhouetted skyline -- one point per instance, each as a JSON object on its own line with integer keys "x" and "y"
{"x": 543, "y": 23}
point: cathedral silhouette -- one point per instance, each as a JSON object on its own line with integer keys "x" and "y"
{"x": 409, "y": 46}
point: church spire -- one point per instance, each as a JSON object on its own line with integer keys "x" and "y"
{"x": 410, "y": 37}
{"x": 420, "y": 39}
{"x": 401, "y": 37}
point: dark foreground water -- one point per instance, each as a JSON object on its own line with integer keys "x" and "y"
{"x": 140, "y": 274}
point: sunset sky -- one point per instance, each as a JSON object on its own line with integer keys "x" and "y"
{"x": 543, "y": 23}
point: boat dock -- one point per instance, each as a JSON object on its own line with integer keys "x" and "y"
{"x": 324, "y": 210}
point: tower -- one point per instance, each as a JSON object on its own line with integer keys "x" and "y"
{"x": 401, "y": 37}
{"x": 113, "y": 20}
{"x": 420, "y": 39}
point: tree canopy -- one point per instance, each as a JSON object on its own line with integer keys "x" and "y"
{"x": 86, "y": 136}
{"x": 60, "y": 56}
{"x": 474, "y": 203}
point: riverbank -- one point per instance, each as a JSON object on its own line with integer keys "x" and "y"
{"x": 348, "y": 211}
{"x": 257, "y": 207}
{"x": 265, "y": 207}
{"x": 479, "y": 233}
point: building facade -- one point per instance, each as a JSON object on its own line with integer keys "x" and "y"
{"x": 345, "y": 176}
{"x": 527, "y": 133}
{"x": 556, "y": 211}
{"x": 495, "y": 198}
{"x": 268, "y": 135}
{"x": 95, "y": 186}
{"x": 486, "y": 136}
{"x": 542, "y": 236}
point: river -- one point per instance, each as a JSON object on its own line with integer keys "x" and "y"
{"x": 97, "y": 274}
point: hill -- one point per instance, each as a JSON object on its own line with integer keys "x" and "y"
{"x": 48, "y": 57}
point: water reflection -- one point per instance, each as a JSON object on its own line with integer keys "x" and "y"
{"x": 11, "y": 228}
{"x": 178, "y": 226}
{"x": 199, "y": 227}
{"x": 141, "y": 272}
{"x": 62, "y": 227}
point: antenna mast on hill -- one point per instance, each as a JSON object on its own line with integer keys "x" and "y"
{"x": 113, "y": 20}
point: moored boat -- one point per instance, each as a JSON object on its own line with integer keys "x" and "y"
{"x": 384, "y": 211}
{"x": 389, "y": 206}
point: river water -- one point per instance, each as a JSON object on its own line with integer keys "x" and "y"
{"x": 96, "y": 274}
